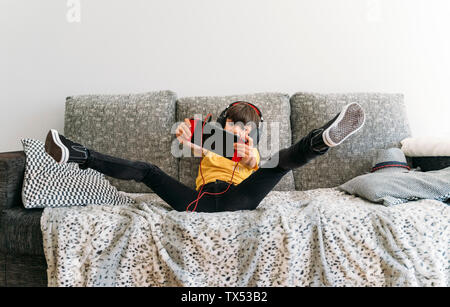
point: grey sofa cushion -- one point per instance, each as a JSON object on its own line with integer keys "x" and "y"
{"x": 386, "y": 125}
{"x": 128, "y": 126}
{"x": 274, "y": 108}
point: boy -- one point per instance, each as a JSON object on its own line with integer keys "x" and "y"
{"x": 248, "y": 185}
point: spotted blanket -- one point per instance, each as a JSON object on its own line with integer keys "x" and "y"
{"x": 321, "y": 237}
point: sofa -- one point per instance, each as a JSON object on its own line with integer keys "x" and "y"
{"x": 137, "y": 126}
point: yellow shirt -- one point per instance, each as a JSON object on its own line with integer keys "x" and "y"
{"x": 216, "y": 167}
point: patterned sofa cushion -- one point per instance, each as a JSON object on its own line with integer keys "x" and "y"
{"x": 48, "y": 184}
{"x": 386, "y": 126}
{"x": 129, "y": 126}
{"x": 275, "y": 109}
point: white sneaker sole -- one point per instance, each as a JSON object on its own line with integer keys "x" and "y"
{"x": 64, "y": 149}
{"x": 351, "y": 119}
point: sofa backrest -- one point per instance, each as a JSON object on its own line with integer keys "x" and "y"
{"x": 129, "y": 126}
{"x": 138, "y": 127}
{"x": 386, "y": 125}
{"x": 274, "y": 107}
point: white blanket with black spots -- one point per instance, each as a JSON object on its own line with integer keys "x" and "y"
{"x": 321, "y": 237}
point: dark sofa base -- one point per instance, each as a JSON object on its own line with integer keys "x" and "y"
{"x": 2, "y": 270}
{"x": 23, "y": 271}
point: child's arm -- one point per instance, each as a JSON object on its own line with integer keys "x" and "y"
{"x": 197, "y": 150}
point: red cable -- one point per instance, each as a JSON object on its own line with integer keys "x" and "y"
{"x": 203, "y": 179}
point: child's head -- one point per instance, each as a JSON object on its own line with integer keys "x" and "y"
{"x": 241, "y": 118}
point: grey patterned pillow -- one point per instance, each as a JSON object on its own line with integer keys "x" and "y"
{"x": 274, "y": 107}
{"x": 398, "y": 187}
{"x": 49, "y": 184}
{"x": 128, "y": 126}
{"x": 386, "y": 125}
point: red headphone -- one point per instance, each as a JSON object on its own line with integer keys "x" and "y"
{"x": 223, "y": 117}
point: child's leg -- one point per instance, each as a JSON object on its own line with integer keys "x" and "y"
{"x": 172, "y": 191}
{"x": 176, "y": 194}
{"x": 251, "y": 191}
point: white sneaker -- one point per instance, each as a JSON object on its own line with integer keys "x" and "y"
{"x": 350, "y": 120}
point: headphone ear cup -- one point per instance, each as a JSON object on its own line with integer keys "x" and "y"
{"x": 258, "y": 135}
{"x": 222, "y": 119}
{"x": 255, "y": 135}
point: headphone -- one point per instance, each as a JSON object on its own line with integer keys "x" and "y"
{"x": 222, "y": 119}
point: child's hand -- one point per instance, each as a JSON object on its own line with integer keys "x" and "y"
{"x": 245, "y": 150}
{"x": 184, "y": 135}
{"x": 183, "y": 131}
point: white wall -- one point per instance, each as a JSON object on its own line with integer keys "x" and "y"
{"x": 220, "y": 47}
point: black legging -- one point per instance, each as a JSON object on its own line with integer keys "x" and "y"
{"x": 245, "y": 196}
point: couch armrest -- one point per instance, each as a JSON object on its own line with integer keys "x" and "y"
{"x": 12, "y": 168}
